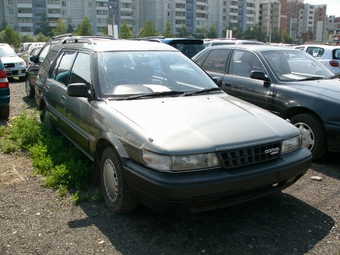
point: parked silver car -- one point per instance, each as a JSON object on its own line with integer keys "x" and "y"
{"x": 159, "y": 130}
{"x": 15, "y": 66}
{"x": 328, "y": 55}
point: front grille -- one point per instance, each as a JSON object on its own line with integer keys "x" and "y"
{"x": 9, "y": 65}
{"x": 250, "y": 155}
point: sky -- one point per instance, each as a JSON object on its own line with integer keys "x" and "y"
{"x": 333, "y": 6}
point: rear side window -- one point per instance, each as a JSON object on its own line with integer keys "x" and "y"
{"x": 336, "y": 53}
{"x": 215, "y": 62}
{"x": 61, "y": 72}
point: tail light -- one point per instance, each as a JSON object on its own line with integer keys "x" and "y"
{"x": 3, "y": 79}
{"x": 334, "y": 63}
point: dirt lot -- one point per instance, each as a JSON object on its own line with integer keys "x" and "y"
{"x": 304, "y": 219}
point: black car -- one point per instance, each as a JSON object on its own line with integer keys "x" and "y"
{"x": 36, "y": 60}
{"x": 287, "y": 82}
{"x": 188, "y": 46}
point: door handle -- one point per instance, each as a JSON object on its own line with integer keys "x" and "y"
{"x": 63, "y": 99}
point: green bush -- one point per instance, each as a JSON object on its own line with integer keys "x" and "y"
{"x": 54, "y": 157}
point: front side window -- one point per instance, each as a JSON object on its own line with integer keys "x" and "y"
{"x": 81, "y": 71}
{"x": 243, "y": 63}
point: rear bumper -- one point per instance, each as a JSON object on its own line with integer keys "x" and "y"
{"x": 4, "y": 97}
{"x": 207, "y": 190}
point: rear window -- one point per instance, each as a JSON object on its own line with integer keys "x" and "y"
{"x": 188, "y": 47}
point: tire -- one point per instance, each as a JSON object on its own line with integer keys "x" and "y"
{"x": 115, "y": 189}
{"x": 4, "y": 112}
{"x": 313, "y": 134}
{"x": 29, "y": 88}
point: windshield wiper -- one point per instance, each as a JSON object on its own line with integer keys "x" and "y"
{"x": 312, "y": 78}
{"x": 201, "y": 91}
{"x": 155, "y": 94}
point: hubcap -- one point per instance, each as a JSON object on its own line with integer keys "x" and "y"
{"x": 308, "y": 137}
{"x": 110, "y": 180}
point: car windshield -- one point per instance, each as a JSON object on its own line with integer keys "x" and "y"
{"x": 123, "y": 74}
{"x": 7, "y": 52}
{"x": 296, "y": 65}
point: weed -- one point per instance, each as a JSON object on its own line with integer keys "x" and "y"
{"x": 53, "y": 157}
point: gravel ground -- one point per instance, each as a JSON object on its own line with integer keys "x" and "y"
{"x": 304, "y": 219}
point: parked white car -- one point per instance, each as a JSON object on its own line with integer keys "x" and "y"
{"x": 327, "y": 54}
{"x": 15, "y": 66}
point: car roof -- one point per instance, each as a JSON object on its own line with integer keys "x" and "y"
{"x": 106, "y": 44}
{"x": 254, "y": 47}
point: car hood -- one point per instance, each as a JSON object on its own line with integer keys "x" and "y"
{"x": 201, "y": 123}
{"x": 14, "y": 59}
{"x": 328, "y": 87}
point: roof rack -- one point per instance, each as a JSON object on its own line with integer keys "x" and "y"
{"x": 86, "y": 39}
{"x": 62, "y": 35}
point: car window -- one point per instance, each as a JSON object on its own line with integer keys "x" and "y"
{"x": 44, "y": 52}
{"x": 62, "y": 70}
{"x": 81, "y": 71}
{"x": 7, "y": 52}
{"x": 243, "y": 62}
{"x": 126, "y": 73}
{"x": 215, "y": 62}
{"x": 336, "y": 53}
{"x": 295, "y": 65}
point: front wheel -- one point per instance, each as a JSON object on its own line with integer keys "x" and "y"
{"x": 313, "y": 134}
{"x": 29, "y": 89}
{"x": 115, "y": 188}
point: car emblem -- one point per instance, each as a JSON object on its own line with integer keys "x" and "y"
{"x": 272, "y": 151}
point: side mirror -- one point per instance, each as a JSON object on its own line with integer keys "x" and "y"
{"x": 217, "y": 80}
{"x": 34, "y": 59}
{"x": 77, "y": 90}
{"x": 259, "y": 75}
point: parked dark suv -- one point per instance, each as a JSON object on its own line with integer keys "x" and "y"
{"x": 160, "y": 131}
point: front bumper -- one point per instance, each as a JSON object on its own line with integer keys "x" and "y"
{"x": 16, "y": 72}
{"x": 206, "y": 190}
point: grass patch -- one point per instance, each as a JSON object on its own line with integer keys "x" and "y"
{"x": 64, "y": 166}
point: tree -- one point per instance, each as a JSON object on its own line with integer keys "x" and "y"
{"x": 275, "y": 36}
{"x": 70, "y": 27}
{"x": 125, "y": 31}
{"x": 10, "y": 36}
{"x": 211, "y": 33}
{"x": 45, "y": 27}
{"x": 60, "y": 27}
{"x": 167, "y": 31}
{"x": 27, "y": 38}
{"x": 183, "y": 32}
{"x": 42, "y": 38}
{"x": 85, "y": 28}
{"x": 286, "y": 38}
{"x": 200, "y": 33}
{"x": 236, "y": 30}
{"x": 149, "y": 29}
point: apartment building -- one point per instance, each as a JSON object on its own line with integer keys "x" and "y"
{"x": 302, "y": 21}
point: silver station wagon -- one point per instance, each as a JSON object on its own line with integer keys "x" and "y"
{"x": 160, "y": 131}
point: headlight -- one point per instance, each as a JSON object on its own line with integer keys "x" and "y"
{"x": 20, "y": 64}
{"x": 167, "y": 163}
{"x": 291, "y": 144}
